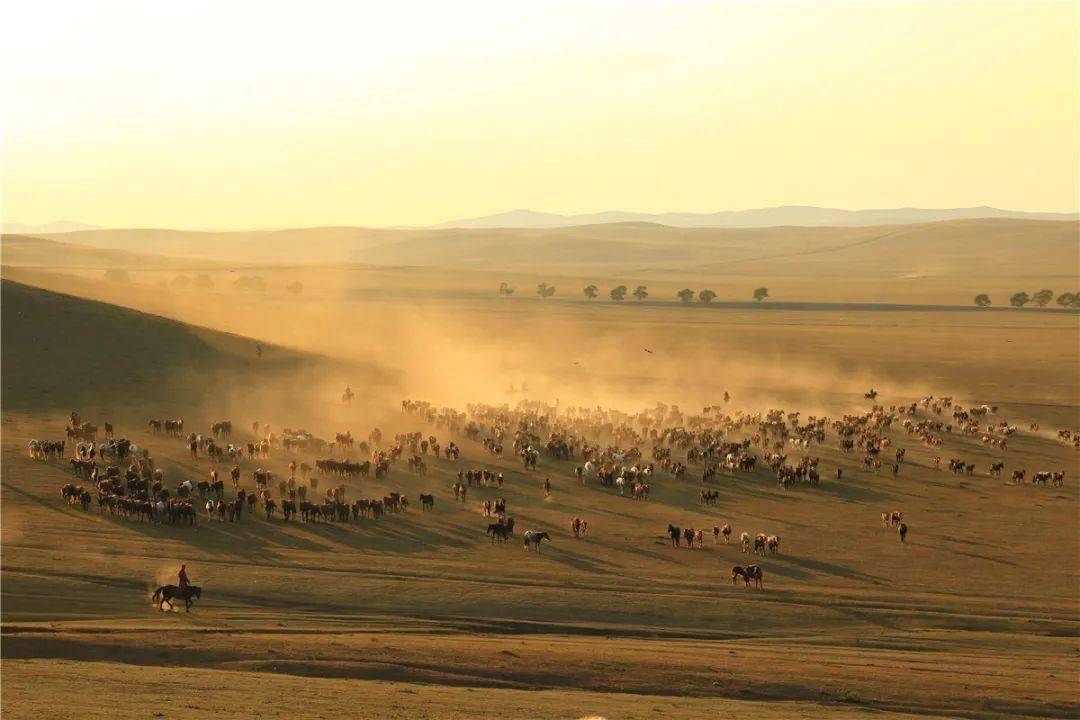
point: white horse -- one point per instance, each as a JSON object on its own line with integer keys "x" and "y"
{"x": 744, "y": 542}
{"x": 34, "y": 447}
{"x": 534, "y": 538}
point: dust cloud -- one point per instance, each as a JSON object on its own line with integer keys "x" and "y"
{"x": 462, "y": 349}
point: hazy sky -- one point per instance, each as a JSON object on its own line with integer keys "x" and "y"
{"x": 267, "y": 114}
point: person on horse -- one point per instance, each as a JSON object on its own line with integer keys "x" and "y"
{"x": 183, "y": 578}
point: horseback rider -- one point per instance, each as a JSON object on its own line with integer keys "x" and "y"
{"x": 183, "y": 578}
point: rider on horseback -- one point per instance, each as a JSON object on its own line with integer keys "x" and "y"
{"x": 184, "y": 582}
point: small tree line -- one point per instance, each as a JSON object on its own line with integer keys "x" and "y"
{"x": 620, "y": 292}
{"x": 252, "y": 283}
{"x": 1041, "y": 298}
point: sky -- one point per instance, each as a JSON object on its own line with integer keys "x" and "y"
{"x": 217, "y": 114}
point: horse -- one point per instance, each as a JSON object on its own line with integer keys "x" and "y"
{"x": 744, "y": 542}
{"x": 168, "y": 593}
{"x": 534, "y": 538}
{"x": 747, "y": 573}
{"x": 497, "y": 530}
{"x": 675, "y": 534}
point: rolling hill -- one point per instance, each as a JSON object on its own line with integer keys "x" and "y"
{"x": 968, "y": 248}
{"x": 38, "y": 252}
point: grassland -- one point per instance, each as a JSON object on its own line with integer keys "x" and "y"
{"x": 421, "y": 616}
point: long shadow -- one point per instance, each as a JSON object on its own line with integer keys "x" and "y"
{"x": 802, "y": 568}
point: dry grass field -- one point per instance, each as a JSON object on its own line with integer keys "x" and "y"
{"x": 420, "y": 615}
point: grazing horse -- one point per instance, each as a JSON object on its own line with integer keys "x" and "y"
{"x": 534, "y": 538}
{"x": 747, "y": 573}
{"x": 168, "y": 593}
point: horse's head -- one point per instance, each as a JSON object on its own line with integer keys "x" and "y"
{"x": 196, "y": 591}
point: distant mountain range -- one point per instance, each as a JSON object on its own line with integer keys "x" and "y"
{"x": 60, "y": 226}
{"x": 783, "y": 216}
{"x": 787, "y": 215}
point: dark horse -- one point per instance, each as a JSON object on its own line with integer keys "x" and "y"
{"x": 168, "y": 593}
{"x": 498, "y": 530}
{"x": 748, "y": 573}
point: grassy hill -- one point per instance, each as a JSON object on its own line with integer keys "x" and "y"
{"x": 60, "y": 351}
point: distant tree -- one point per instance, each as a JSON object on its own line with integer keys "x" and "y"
{"x": 203, "y": 282}
{"x": 761, "y": 293}
{"x": 180, "y": 282}
{"x": 686, "y": 295}
{"x": 295, "y": 287}
{"x": 1068, "y": 300}
{"x": 250, "y": 282}
{"x": 706, "y": 296}
{"x": 116, "y": 275}
{"x": 1020, "y": 299}
{"x": 1043, "y": 297}
{"x": 641, "y": 292}
{"x": 505, "y": 290}
{"x": 591, "y": 291}
{"x": 619, "y": 293}
{"x": 982, "y": 300}
{"x": 544, "y": 290}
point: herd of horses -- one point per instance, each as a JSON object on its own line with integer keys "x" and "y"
{"x": 601, "y": 446}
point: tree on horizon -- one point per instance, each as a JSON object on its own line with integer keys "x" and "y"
{"x": 1043, "y": 297}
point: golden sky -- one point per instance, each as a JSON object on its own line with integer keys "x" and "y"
{"x": 220, "y": 114}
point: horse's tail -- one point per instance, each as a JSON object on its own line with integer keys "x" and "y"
{"x": 158, "y": 593}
